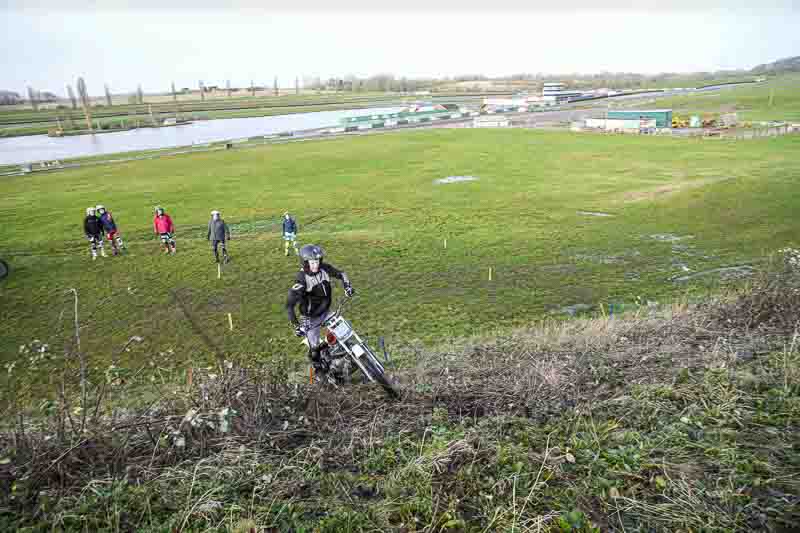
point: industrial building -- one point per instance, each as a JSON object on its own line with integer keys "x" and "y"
{"x": 663, "y": 117}
{"x": 556, "y": 92}
{"x": 631, "y": 121}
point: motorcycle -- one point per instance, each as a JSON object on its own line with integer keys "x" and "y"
{"x": 3, "y": 269}
{"x": 343, "y": 352}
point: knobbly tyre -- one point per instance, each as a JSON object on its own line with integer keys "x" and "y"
{"x": 343, "y": 351}
{"x": 3, "y": 269}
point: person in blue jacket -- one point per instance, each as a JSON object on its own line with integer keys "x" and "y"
{"x": 289, "y": 233}
{"x": 110, "y": 229}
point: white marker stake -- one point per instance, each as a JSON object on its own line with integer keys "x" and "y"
{"x": 219, "y": 271}
{"x": 490, "y": 273}
{"x": 230, "y": 321}
{"x": 445, "y": 244}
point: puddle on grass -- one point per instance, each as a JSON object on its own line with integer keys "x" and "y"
{"x": 573, "y": 310}
{"x": 454, "y": 179}
{"x": 595, "y": 214}
{"x": 725, "y": 273}
{"x": 669, "y": 237}
{"x": 607, "y": 259}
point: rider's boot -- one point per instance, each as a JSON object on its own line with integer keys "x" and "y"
{"x": 315, "y": 355}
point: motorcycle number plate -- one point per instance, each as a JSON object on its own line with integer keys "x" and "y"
{"x": 358, "y": 351}
{"x": 342, "y": 330}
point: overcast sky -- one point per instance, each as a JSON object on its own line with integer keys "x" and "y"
{"x": 47, "y": 44}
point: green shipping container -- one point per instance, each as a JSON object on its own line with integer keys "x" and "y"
{"x": 663, "y": 117}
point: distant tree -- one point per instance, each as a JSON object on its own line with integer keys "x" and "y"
{"x": 296, "y": 85}
{"x": 71, "y": 95}
{"x": 174, "y": 94}
{"x": 275, "y": 86}
{"x": 228, "y": 87}
{"x": 252, "y": 88}
{"x": 108, "y": 96}
{"x": 32, "y": 98}
{"x": 202, "y": 90}
{"x": 139, "y": 95}
{"x": 83, "y": 94}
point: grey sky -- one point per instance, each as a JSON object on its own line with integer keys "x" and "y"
{"x": 48, "y": 46}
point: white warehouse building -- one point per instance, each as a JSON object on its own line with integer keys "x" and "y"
{"x": 556, "y": 92}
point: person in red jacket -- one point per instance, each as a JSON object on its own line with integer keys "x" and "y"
{"x": 163, "y": 226}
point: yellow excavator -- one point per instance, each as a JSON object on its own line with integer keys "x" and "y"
{"x": 679, "y": 121}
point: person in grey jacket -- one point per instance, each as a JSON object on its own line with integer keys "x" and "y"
{"x": 218, "y": 233}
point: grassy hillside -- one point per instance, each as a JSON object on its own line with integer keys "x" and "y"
{"x": 680, "y": 207}
{"x": 677, "y": 418}
{"x": 776, "y": 99}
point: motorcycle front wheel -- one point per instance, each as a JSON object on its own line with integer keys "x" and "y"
{"x": 379, "y": 376}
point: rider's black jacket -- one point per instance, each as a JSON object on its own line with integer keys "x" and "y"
{"x": 313, "y": 292}
{"x": 92, "y": 226}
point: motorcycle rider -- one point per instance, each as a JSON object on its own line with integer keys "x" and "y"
{"x": 313, "y": 291}
{"x": 218, "y": 233}
{"x": 289, "y": 234}
{"x": 163, "y": 227}
{"x": 93, "y": 229}
{"x": 110, "y": 228}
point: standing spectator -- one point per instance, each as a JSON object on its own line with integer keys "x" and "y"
{"x": 218, "y": 233}
{"x": 110, "y": 228}
{"x": 93, "y": 229}
{"x": 289, "y": 233}
{"x": 163, "y": 226}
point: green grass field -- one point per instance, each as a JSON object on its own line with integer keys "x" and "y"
{"x": 776, "y": 99}
{"x": 371, "y": 202}
{"x": 674, "y": 417}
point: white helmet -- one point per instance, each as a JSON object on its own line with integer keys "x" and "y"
{"x": 100, "y": 207}
{"x": 215, "y": 213}
{"x": 90, "y": 211}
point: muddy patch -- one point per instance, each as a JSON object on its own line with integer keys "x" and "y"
{"x": 454, "y": 179}
{"x": 559, "y": 269}
{"x": 724, "y": 273}
{"x": 670, "y": 188}
{"x": 594, "y": 214}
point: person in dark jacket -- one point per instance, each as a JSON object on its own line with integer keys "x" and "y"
{"x": 218, "y": 233}
{"x": 93, "y": 229}
{"x": 312, "y": 291}
{"x": 289, "y": 234}
{"x": 110, "y": 229}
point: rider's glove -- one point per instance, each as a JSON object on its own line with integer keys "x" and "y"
{"x": 299, "y": 331}
{"x": 349, "y": 291}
